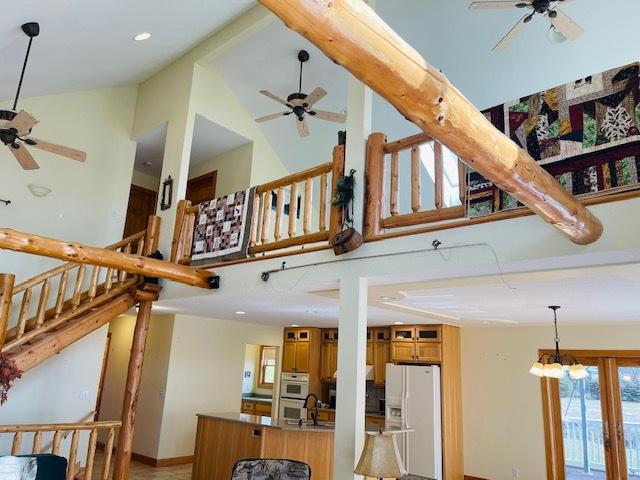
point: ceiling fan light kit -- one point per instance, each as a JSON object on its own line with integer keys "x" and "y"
{"x": 562, "y": 26}
{"x": 300, "y": 104}
{"x": 16, "y": 125}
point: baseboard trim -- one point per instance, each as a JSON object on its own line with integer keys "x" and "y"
{"x": 469, "y": 477}
{"x": 155, "y": 462}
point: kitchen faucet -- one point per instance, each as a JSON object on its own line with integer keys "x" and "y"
{"x": 314, "y": 416}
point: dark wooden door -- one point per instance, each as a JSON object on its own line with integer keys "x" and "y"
{"x": 202, "y": 188}
{"x": 142, "y": 204}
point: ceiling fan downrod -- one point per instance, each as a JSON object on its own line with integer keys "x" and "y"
{"x": 31, "y": 30}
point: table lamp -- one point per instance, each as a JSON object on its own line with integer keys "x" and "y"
{"x": 380, "y": 457}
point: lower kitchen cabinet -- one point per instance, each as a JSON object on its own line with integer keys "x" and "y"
{"x": 328, "y": 361}
{"x": 256, "y": 408}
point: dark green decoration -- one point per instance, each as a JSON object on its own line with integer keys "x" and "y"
{"x": 345, "y": 195}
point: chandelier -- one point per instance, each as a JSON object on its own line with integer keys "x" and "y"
{"x": 552, "y": 364}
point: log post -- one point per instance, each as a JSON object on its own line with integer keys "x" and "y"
{"x": 146, "y": 295}
{"x": 337, "y": 171}
{"x": 177, "y": 229}
{"x": 152, "y": 236}
{"x": 6, "y": 292}
{"x": 373, "y": 185}
{"x": 351, "y": 34}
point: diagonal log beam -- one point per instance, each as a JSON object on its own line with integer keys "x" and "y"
{"x": 79, "y": 253}
{"x": 352, "y": 35}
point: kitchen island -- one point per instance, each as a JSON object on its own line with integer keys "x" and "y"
{"x": 224, "y": 438}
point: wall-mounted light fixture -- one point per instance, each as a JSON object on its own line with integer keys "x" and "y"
{"x": 38, "y": 190}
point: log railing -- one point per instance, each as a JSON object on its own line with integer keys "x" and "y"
{"x": 48, "y": 300}
{"x": 302, "y": 216}
{"x": 394, "y": 179}
{"x": 33, "y": 437}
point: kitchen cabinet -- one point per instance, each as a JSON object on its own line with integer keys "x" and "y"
{"x": 328, "y": 361}
{"x": 378, "y": 352}
{"x": 418, "y": 344}
{"x": 301, "y": 354}
{"x": 297, "y": 334}
{"x": 295, "y": 357}
{"x": 256, "y": 408}
{"x": 374, "y": 420}
{"x": 323, "y": 415}
{"x": 369, "y": 353}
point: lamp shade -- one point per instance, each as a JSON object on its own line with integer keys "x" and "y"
{"x": 537, "y": 369}
{"x": 578, "y": 372}
{"x": 553, "y": 370}
{"x": 555, "y": 36}
{"x": 380, "y": 457}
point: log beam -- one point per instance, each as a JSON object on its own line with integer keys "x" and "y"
{"x": 146, "y": 296}
{"x": 351, "y": 34}
{"x": 6, "y": 294}
{"x": 79, "y": 253}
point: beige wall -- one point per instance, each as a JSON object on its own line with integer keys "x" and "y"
{"x": 234, "y": 169}
{"x": 252, "y": 364}
{"x": 502, "y": 406}
{"x": 154, "y": 376}
{"x": 205, "y": 374}
{"x": 145, "y": 180}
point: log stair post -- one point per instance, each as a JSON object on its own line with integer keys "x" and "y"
{"x": 6, "y": 292}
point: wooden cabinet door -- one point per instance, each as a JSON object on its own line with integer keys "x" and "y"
{"x": 381, "y": 335}
{"x": 369, "y": 353}
{"x": 403, "y": 351}
{"x": 403, "y": 334}
{"x": 380, "y": 359}
{"x": 325, "y": 361}
{"x": 289, "y": 357}
{"x": 303, "y": 334}
{"x": 290, "y": 335}
{"x": 248, "y": 407}
{"x": 262, "y": 409}
{"x": 428, "y": 334}
{"x": 302, "y": 357}
{"x": 429, "y": 352}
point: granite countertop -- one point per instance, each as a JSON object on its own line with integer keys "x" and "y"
{"x": 263, "y": 421}
{"x": 367, "y": 413}
{"x": 257, "y": 398}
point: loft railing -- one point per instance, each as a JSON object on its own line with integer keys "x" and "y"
{"x": 36, "y": 435}
{"x": 305, "y": 219}
{"x": 399, "y": 194}
{"x": 48, "y": 300}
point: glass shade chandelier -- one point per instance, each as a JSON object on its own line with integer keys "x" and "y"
{"x": 552, "y": 364}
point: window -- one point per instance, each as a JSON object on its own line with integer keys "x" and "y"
{"x": 592, "y": 426}
{"x": 267, "y": 366}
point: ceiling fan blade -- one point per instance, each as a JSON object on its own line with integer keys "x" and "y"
{"x": 566, "y": 25}
{"x": 303, "y": 127}
{"x": 331, "y": 116}
{"x": 267, "y": 93}
{"x": 492, "y": 5}
{"x": 24, "y": 158}
{"x": 72, "y": 153}
{"x": 23, "y": 122}
{"x": 315, "y": 96}
{"x": 266, "y": 118}
{"x": 513, "y": 33}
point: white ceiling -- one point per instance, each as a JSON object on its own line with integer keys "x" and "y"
{"x": 87, "y": 44}
{"x": 150, "y": 149}
{"x": 268, "y": 61}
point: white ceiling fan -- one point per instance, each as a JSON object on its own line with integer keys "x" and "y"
{"x": 300, "y": 104}
{"x": 562, "y": 26}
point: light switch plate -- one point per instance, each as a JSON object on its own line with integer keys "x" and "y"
{"x": 84, "y": 394}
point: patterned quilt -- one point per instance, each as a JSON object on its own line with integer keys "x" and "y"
{"x": 585, "y": 133}
{"x": 222, "y": 227}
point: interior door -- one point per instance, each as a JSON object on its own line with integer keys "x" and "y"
{"x": 202, "y": 189}
{"x": 142, "y": 204}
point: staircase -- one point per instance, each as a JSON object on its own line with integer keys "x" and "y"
{"x": 56, "y": 308}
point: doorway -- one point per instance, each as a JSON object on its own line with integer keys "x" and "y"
{"x": 142, "y": 204}
{"x": 592, "y": 425}
{"x": 202, "y": 188}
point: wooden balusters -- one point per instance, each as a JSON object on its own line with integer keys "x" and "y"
{"x": 93, "y": 284}
{"x": 108, "y": 281}
{"x": 279, "y": 212}
{"x": 253, "y": 239}
{"x": 57, "y": 439}
{"x": 108, "y": 450}
{"x": 6, "y": 295}
{"x": 438, "y": 174}
{"x": 24, "y": 312}
{"x": 462, "y": 182}
{"x": 37, "y": 442}
{"x": 394, "y": 190}
{"x": 140, "y": 246}
{"x": 266, "y": 217}
{"x": 62, "y": 290}
{"x": 91, "y": 451}
{"x": 308, "y": 198}
{"x": 322, "y": 226}
{"x": 77, "y": 289}
{"x": 293, "y": 210}
{"x": 123, "y": 274}
{"x": 415, "y": 178}
{"x": 73, "y": 455}
{"x": 42, "y": 304}
{"x": 17, "y": 443}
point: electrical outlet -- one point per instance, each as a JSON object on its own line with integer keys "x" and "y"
{"x": 84, "y": 394}
{"x": 516, "y": 472}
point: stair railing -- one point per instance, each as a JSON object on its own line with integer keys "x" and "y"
{"x": 58, "y": 431}
{"x": 48, "y": 300}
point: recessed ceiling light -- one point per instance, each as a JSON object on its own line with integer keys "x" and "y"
{"x": 386, "y": 298}
{"x": 398, "y": 323}
{"x": 148, "y": 164}
{"x": 142, "y": 36}
{"x": 294, "y": 325}
{"x": 240, "y": 312}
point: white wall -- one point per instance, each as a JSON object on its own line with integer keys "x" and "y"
{"x": 502, "y": 405}
{"x": 205, "y": 374}
{"x": 154, "y": 376}
{"x": 234, "y": 169}
{"x": 145, "y": 180}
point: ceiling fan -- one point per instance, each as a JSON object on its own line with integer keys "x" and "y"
{"x": 300, "y": 104}
{"x": 562, "y": 26}
{"x": 15, "y": 126}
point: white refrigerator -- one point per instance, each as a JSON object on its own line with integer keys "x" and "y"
{"x": 412, "y": 401}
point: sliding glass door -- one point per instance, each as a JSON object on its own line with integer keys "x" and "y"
{"x": 593, "y": 425}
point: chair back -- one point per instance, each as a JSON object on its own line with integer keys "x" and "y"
{"x": 270, "y": 469}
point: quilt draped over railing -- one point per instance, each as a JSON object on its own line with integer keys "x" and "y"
{"x": 585, "y": 133}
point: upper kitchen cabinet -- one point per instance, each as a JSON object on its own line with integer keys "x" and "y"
{"x": 416, "y": 344}
{"x": 301, "y": 353}
{"x": 296, "y": 334}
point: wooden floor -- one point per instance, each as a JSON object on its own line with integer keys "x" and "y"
{"x": 140, "y": 471}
